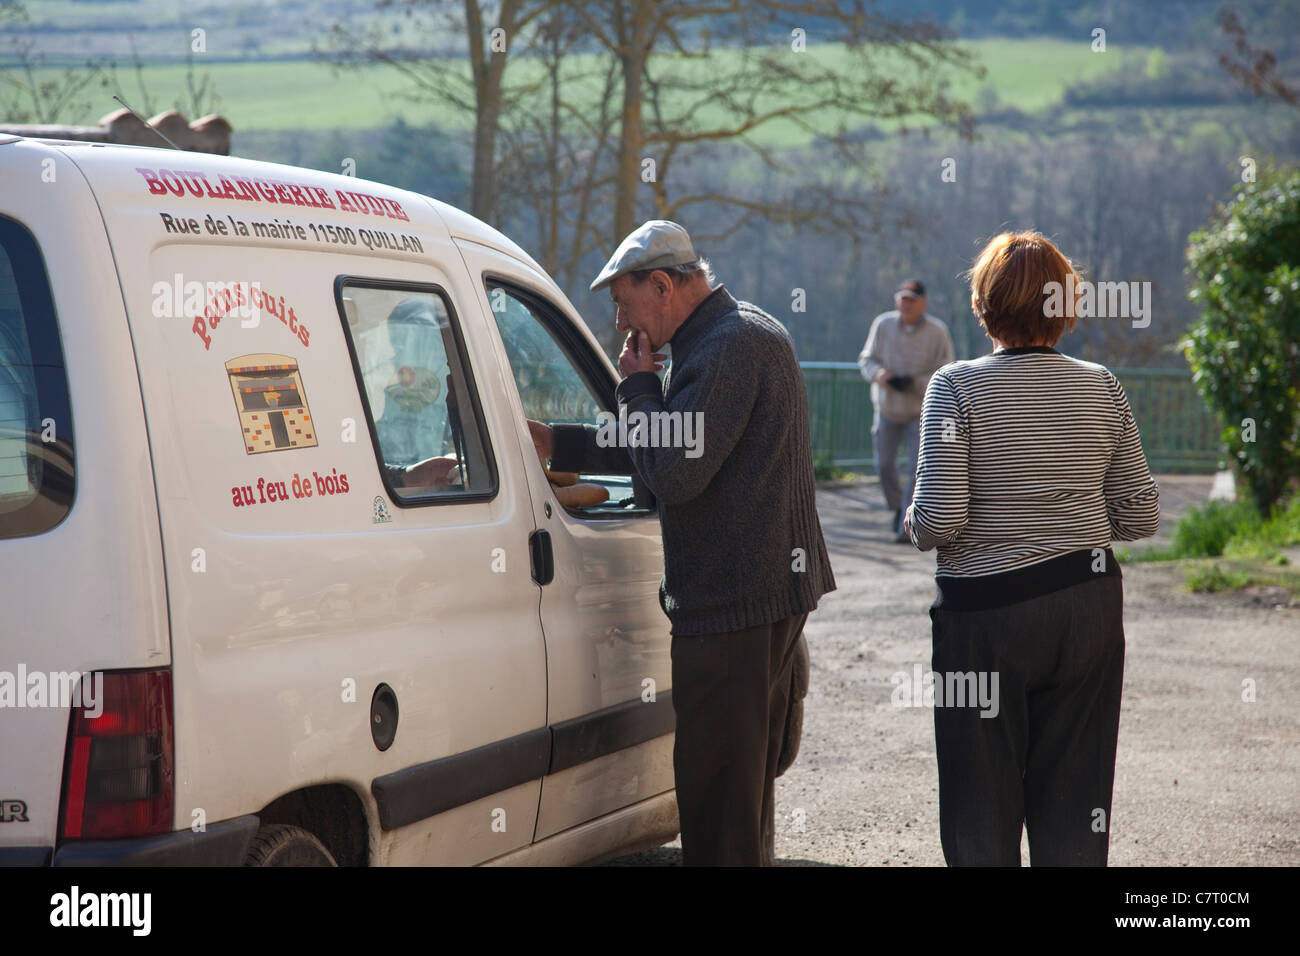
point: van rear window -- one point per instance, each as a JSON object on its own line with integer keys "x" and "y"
{"x": 36, "y": 473}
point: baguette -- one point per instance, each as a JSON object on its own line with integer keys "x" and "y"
{"x": 581, "y": 495}
{"x": 562, "y": 478}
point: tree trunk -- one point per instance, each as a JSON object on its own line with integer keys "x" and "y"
{"x": 634, "y": 50}
{"x": 488, "y": 68}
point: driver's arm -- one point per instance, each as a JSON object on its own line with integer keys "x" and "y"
{"x": 428, "y": 473}
{"x": 577, "y": 449}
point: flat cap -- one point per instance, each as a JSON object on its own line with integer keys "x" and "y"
{"x": 656, "y": 244}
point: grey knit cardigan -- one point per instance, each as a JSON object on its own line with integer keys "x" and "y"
{"x": 742, "y": 542}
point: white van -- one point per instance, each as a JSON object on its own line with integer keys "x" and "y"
{"x": 282, "y": 579}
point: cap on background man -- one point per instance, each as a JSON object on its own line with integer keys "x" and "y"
{"x": 910, "y": 289}
{"x": 656, "y": 244}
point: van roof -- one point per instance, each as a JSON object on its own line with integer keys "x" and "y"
{"x": 459, "y": 224}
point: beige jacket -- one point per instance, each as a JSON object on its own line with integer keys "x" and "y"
{"x": 918, "y": 351}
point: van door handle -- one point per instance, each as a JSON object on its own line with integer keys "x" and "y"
{"x": 543, "y": 558}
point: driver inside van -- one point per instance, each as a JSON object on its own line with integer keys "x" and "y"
{"x": 415, "y": 414}
{"x": 442, "y": 471}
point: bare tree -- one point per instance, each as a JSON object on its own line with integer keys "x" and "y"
{"x": 480, "y": 92}
{"x": 593, "y": 113}
{"x": 200, "y": 95}
{"x": 1253, "y": 67}
{"x": 701, "y": 94}
{"x": 26, "y": 98}
{"x": 553, "y": 159}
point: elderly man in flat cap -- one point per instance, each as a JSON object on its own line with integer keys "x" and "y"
{"x": 744, "y": 559}
{"x": 904, "y": 349}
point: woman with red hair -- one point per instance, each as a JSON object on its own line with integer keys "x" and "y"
{"x": 1030, "y": 466}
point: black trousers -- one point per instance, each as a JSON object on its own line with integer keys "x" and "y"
{"x": 730, "y": 695}
{"x": 1047, "y": 759}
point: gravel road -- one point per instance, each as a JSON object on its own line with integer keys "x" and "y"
{"x": 1202, "y": 777}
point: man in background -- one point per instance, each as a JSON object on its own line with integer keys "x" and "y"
{"x": 905, "y": 347}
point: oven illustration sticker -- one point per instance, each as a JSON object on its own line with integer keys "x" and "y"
{"x": 272, "y": 405}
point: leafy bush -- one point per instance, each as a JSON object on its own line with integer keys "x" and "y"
{"x": 1205, "y": 531}
{"x": 1264, "y": 538}
{"x": 1245, "y": 349}
{"x": 1229, "y": 529}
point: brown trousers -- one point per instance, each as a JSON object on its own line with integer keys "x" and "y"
{"x": 730, "y": 695}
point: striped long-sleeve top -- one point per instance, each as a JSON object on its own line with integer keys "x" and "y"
{"x": 1030, "y": 465}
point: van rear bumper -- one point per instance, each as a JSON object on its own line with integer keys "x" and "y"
{"x": 221, "y": 844}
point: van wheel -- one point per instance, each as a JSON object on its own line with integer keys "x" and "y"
{"x": 279, "y": 844}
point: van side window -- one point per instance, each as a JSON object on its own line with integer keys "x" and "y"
{"x": 419, "y": 400}
{"x": 550, "y": 387}
{"x": 560, "y": 381}
{"x": 36, "y": 460}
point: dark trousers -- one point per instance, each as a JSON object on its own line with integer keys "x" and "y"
{"x": 730, "y": 695}
{"x": 1047, "y": 759}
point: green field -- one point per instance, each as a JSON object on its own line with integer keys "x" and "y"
{"x": 1029, "y": 75}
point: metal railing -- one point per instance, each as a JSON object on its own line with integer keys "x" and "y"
{"x": 1179, "y": 433}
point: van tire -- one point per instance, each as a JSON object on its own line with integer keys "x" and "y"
{"x": 279, "y": 844}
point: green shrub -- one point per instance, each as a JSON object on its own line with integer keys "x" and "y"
{"x": 1264, "y": 538}
{"x": 1229, "y": 529}
{"x": 1245, "y": 349}
{"x": 1206, "y": 530}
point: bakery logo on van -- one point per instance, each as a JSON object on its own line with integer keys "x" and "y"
{"x": 245, "y": 300}
{"x": 271, "y": 403}
{"x": 178, "y": 182}
{"x": 181, "y": 299}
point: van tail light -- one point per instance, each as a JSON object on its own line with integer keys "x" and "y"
{"x": 119, "y": 770}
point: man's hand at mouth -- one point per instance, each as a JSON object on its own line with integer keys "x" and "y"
{"x": 637, "y": 357}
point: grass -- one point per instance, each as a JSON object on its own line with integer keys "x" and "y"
{"x": 1229, "y": 546}
{"x": 1210, "y": 576}
{"x": 1029, "y": 75}
{"x": 823, "y": 470}
{"x": 1232, "y": 529}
